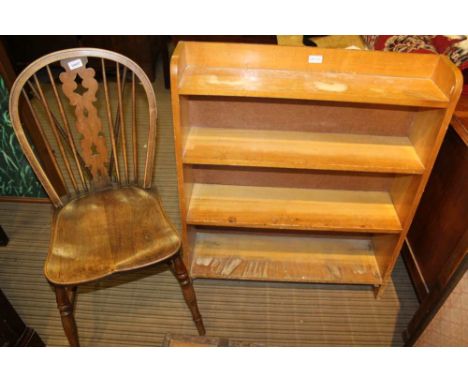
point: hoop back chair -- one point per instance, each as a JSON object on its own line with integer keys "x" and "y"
{"x": 108, "y": 220}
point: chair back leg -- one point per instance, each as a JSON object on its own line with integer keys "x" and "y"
{"x": 182, "y": 276}
{"x": 65, "y": 307}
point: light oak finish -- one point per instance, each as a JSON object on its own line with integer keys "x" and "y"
{"x": 279, "y": 83}
{"x": 285, "y": 257}
{"x": 109, "y": 221}
{"x": 189, "y": 341}
{"x": 304, "y": 139}
{"x": 285, "y": 72}
{"x": 292, "y": 149}
{"x": 292, "y": 208}
{"x": 292, "y": 178}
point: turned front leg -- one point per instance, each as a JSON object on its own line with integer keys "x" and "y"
{"x": 65, "y": 307}
{"x": 181, "y": 274}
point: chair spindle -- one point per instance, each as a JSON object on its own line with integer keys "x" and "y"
{"x": 51, "y": 153}
{"x": 134, "y": 132}
{"x": 55, "y": 132}
{"x": 110, "y": 124}
{"x": 122, "y": 121}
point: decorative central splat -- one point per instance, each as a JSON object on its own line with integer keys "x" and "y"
{"x": 88, "y": 123}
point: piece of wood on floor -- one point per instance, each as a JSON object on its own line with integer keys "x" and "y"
{"x": 171, "y": 340}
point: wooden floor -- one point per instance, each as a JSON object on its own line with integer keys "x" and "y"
{"x": 138, "y": 309}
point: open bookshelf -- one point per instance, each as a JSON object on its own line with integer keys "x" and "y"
{"x": 303, "y": 164}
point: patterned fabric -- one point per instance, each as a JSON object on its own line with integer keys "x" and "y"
{"x": 16, "y": 176}
{"x": 454, "y": 47}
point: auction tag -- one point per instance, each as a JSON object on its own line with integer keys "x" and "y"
{"x": 315, "y": 59}
{"x": 75, "y": 64}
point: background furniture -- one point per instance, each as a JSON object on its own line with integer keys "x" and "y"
{"x": 244, "y": 39}
{"x": 3, "y": 237}
{"x": 454, "y": 47}
{"x": 441, "y": 320}
{"x": 300, "y": 164}
{"x": 144, "y": 50}
{"x": 13, "y": 331}
{"x": 190, "y": 341}
{"x": 446, "y": 322}
{"x": 109, "y": 221}
{"x": 437, "y": 241}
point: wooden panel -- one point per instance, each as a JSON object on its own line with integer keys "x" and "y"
{"x": 403, "y": 190}
{"x": 198, "y": 341}
{"x": 441, "y": 219}
{"x": 273, "y": 177}
{"x": 293, "y": 257}
{"x": 293, "y": 149}
{"x": 299, "y": 115}
{"x": 289, "y": 208}
{"x": 343, "y": 87}
{"x": 460, "y": 119}
{"x": 372, "y": 63}
{"x": 383, "y": 249}
{"x": 414, "y": 271}
{"x": 424, "y": 130}
{"x": 445, "y": 77}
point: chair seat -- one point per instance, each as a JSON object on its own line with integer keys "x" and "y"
{"x": 107, "y": 232}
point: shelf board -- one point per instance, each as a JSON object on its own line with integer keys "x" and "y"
{"x": 302, "y": 150}
{"x": 311, "y": 85}
{"x": 292, "y": 208}
{"x": 293, "y": 257}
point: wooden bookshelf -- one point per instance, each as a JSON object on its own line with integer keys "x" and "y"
{"x": 303, "y": 164}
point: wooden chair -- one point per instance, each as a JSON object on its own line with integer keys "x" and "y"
{"x": 109, "y": 220}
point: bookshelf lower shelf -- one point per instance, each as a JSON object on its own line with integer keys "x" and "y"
{"x": 285, "y": 257}
{"x": 292, "y": 208}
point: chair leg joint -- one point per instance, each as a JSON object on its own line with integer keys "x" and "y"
{"x": 183, "y": 278}
{"x": 65, "y": 309}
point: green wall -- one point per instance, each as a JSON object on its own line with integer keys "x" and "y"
{"x": 16, "y": 175}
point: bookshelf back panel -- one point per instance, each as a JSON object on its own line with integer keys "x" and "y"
{"x": 298, "y": 115}
{"x": 267, "y": 177}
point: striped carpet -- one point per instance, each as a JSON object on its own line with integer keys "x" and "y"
{"x": 139, "y": 308}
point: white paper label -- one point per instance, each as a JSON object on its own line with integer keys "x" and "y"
{"x": 75, "y": 64}
{"x": 315, "y": 59}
